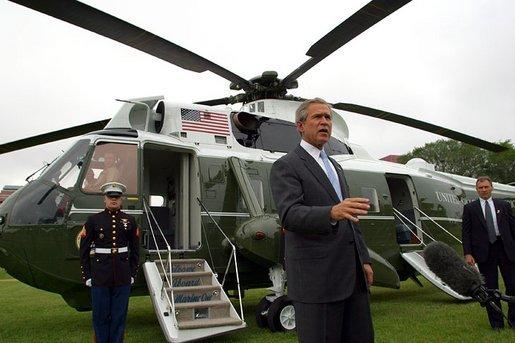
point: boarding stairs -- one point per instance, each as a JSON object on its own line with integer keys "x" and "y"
{"x": 415, "y": 258}
{"x": 189, "y": 301}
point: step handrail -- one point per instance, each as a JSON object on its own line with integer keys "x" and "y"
{"x": 169, "y": 281}
{"x": 233, "y": 255}
{"x": 440, "y": 226}
{"x": 401, "y": 216}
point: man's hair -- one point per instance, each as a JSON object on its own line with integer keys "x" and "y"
{"x": 301, "y": 113}
{"x": 484, "y": 178}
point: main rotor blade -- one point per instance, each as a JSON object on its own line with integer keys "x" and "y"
{"x": 224, "y": 101}
{"x": 366, "y": 17}
{"x": 53, "y": 136}
{"x": 106, "y": 25}
{"x": 214, "y": 102}
{"x": 397, "y": 118}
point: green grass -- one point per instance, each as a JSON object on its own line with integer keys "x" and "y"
{"x": 411, "y": 314}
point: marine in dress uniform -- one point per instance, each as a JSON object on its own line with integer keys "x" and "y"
{"x": 109, "y": 252}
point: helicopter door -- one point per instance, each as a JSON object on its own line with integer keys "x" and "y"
{"x": 252, "y": 202}
{"x": 404, "y": 199}
{"x": 171, "y": 187}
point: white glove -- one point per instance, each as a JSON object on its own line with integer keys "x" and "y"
{"x": 132, "y": 280}
{"x": 88, "y": 282}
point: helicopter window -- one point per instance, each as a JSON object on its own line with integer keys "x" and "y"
{"x": 40, "y": 203}
{"x": 221, "y": 139}
{"x": 65, "y": 170}
{"x": 371, "y": 194}
{"x": 259, "y": 132}
{"x": 112, "y": 162}
{"x": 257, "y": 186}
{"x": 157, "y": 201}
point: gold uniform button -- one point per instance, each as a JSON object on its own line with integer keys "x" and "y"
{"x": 114, "y": 226}
{"x": 114, "y": 244}
{"x": 114, "y": 216}
{"x": 114, "y": 232}
{"x": 114, "y": 221}
{"x": 114, "y": 237}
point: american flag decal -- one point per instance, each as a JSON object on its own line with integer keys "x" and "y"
{"x": 200, "y": 121}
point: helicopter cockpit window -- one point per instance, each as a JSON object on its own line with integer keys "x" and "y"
{"x": 65, "y": 171}
{"x": 41, "y": 203}
{"x": 276, "y": 135}
{"x": 112, "y": 162}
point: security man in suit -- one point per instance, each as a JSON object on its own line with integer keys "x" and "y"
{"x": 488, "y": 234}
{"x": 109, "y": 252}
{"x": 327, "y": 263}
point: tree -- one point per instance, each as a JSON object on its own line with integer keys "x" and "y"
{"x": 459, "y": 158}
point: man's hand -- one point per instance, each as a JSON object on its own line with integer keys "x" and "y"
{"x": 470, "y": 260}
{"x": 369, "y": 273}
{"x": 350, "y": 208}
{"x": 88, "y": 282}
{"x": 132, "y": 281}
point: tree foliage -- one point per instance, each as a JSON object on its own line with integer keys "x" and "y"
{"x": 459, "y": 158}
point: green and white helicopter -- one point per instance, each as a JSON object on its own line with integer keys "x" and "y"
{"x": 198, "y": 178}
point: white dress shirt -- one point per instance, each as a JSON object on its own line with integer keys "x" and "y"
{"x": 314, "y": 152}
{"x": 492, "y": 209}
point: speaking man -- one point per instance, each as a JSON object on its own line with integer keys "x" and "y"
{"x": 327, "y": 262}
{"x": 488, "y": 234}
{"x": 109, "y": 252}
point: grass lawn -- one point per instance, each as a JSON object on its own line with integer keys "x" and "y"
{"x": 411, "y": 314}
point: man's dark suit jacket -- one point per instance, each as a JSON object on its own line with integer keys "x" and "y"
{"x": 320, "y": 257}
{"x": 475, "y": 232}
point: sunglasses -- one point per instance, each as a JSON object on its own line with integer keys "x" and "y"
{"x": 114, "y": 196}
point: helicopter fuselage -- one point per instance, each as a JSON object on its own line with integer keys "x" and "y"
{"x": 167, "y": 171}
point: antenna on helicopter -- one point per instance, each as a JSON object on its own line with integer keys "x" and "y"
{"x": 45, "y": 165}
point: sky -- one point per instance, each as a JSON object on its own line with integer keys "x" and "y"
{"x": 450, "y": 63}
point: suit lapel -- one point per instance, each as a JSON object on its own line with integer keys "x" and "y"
{"x": 479, "y": 212}
{"x": 317, "y": 171}
{"x": 497, "y": 209}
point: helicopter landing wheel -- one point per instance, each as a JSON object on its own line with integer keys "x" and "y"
{"x": 281, "y": 315}
{"x": 262, "y": 312}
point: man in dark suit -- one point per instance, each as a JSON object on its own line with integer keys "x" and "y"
{"x": 327, "y": 263}
{"x": 488, "y": 233}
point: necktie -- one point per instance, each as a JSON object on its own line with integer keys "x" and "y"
{"x": 331, "y": 175}
{"x": 492, "y": 237}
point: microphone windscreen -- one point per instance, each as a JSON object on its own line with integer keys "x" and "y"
{"x": 451, "y": 268}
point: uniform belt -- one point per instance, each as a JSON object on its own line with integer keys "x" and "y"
{"x": 110, "y": 250}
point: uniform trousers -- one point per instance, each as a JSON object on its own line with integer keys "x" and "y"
{"x": 109, "y": 312}
{"x": 497, "y": 259}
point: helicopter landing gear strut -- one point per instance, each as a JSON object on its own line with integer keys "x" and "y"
{"x": 276, "y": 311}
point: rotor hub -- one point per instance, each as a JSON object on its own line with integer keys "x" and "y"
{"x": 267, "y": 85}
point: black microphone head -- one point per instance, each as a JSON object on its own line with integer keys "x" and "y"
{"x": 452, "y": 269}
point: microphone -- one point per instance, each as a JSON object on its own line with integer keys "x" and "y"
{"x": 466, "y": 280}
{"x": 445, "y": 262}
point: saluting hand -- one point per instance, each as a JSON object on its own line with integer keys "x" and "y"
{"x": 350, "y": 208}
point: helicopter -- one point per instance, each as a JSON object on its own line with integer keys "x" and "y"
{"x": 200, "y": 173}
